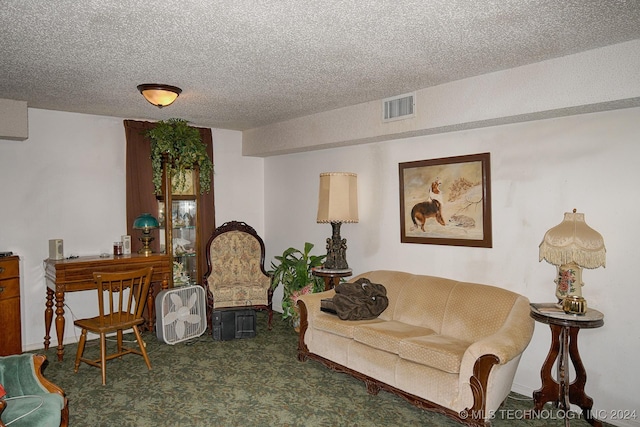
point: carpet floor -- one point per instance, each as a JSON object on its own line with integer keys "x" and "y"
{"x": 247, "y": 382}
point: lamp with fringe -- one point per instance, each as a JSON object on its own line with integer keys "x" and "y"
{"x": 571, "y": 246}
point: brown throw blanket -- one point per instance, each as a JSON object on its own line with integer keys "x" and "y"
{"x": 360, "y": 300}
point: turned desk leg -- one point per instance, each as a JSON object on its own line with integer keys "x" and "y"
{"x": 48, "y": 318}
{"x": 60, "y": 323}
{"x": 151, "y": 304}
{"x": 150, "y": 309}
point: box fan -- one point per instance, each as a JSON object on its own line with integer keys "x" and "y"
{"x": 180, "y": 314}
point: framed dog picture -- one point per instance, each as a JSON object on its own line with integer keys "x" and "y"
{"x": 446, "y": 201}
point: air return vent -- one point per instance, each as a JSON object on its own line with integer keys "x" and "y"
{"x": 398, "y": 107}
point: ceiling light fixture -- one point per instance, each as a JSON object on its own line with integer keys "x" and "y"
{"x": 158, "y": 94}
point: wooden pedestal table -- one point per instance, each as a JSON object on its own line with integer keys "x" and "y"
{"x": 76, "y": 274}
{"x": 331, "y": 277}
{"x": 564, "y": 345}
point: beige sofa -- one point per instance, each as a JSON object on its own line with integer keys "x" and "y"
{"x": 443, "y": 345}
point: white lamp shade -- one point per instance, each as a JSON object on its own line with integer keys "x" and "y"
{"x": 338, "y": 197}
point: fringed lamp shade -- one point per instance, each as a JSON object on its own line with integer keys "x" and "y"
{"x": 571, "y": 246}
{"x": 337, "y": 203}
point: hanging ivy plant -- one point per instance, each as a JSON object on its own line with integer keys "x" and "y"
{"x": 184, "y": 149}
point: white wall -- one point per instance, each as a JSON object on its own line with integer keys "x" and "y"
{"x": 67, "y": 180}
{"x": 239, "y": 183}
{"x": 69, "y": 176}
{"x": 539, "y": 171}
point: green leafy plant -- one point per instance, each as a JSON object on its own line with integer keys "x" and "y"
{"x": 184, "y": 148}
{"x": 294, "y": 269}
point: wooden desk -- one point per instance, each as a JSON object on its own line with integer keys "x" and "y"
{"x": 71, "y": 275}
{"x": 564, "y": 344}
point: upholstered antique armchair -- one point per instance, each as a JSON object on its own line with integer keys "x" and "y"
{"x": 32, "y": 400}
{"x": 235, "y": 270}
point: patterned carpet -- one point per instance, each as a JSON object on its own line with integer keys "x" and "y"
{"x": 249, "y": 382}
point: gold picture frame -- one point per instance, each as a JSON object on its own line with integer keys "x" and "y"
{"x": 446, "y": 201}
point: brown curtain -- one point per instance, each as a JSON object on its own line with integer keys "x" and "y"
{"x": 140, "y": 192}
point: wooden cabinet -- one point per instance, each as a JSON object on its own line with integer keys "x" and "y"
{"x": 10, "y": 323}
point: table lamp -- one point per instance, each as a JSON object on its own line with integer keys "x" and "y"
{"x": 145, "y": 222}
{"x": 571, "y": 246}
{"x": 337, "y": 203}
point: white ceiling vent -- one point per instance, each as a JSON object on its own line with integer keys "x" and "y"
{"x": 398, "y": 107}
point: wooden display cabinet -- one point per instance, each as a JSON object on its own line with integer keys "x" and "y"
{"x": 10, "y": 320}
{"x": 181, "y": 226}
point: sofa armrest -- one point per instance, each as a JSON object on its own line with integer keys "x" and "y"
{"x": 312, "y": 302}
{"x": 506, "y": 344}
{"x": 510, "y": 340}
{"x": 488, "y": 365}
{"x": 309, "y": 307}
{"x": 38, "y": 362}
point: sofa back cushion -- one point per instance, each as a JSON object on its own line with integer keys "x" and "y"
{"x": 476, "y": 311}
{"x": 466, "y": 311}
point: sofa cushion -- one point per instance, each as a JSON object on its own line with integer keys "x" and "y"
{"x": 438, "y": 351}
{"x": 388, "y": 335}
{"x": 240, "y": 294}
{"x": 344, "y": 328}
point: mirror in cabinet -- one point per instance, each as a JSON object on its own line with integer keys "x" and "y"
{"x": 182, "y": 228}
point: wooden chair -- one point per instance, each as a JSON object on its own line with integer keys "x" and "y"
{"x": 118, "y": 311}
{"x": 235, "y": 276}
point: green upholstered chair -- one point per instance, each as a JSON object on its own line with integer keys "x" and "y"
{"x": 31, "y": 399}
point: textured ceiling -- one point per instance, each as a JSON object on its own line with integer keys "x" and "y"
{"x": 243, "y": 64}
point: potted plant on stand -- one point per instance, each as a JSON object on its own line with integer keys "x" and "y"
{"x": 178, "y": 156}
{"x": 180, "y": 145}
{"x": 294, "y": 269}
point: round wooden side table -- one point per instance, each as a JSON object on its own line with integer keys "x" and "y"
{"x": 331, "y": 277}
{"x": 564, "y": 345}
